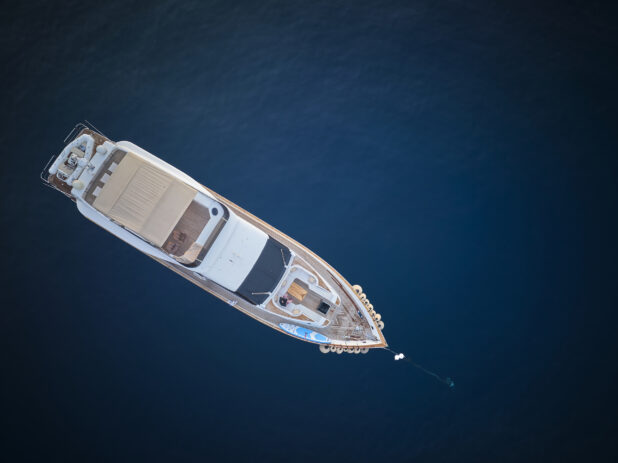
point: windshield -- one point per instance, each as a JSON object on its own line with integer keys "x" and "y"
{"x": 266, "y": 273}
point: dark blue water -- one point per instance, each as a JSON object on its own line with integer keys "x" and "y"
{"x": 457, "y": 159}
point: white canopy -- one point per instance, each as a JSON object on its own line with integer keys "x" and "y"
{"x": 234, "y": 253}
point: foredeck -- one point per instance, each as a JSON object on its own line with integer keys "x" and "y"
{"x": 345, "y": 320}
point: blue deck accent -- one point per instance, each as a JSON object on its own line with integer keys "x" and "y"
{"x": 304, "y": 333}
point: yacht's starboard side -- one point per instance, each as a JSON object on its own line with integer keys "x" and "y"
{"x": 214, "y": 243}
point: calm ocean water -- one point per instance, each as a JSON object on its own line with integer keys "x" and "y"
{"x": 456, "y": 159}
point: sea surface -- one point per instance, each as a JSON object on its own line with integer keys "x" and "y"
{"x": 457, "y": 159}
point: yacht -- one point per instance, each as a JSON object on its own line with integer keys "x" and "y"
{"x": 212, "y": 242}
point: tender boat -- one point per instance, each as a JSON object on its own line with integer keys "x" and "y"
{"x": 212, "y": 242}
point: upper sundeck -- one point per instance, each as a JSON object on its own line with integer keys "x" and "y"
{"x": 142, "y": 197}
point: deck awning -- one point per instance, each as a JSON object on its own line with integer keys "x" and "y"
{"x": 144, "y": 198}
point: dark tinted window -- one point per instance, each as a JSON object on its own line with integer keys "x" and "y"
{"x": 266, "y": 273}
